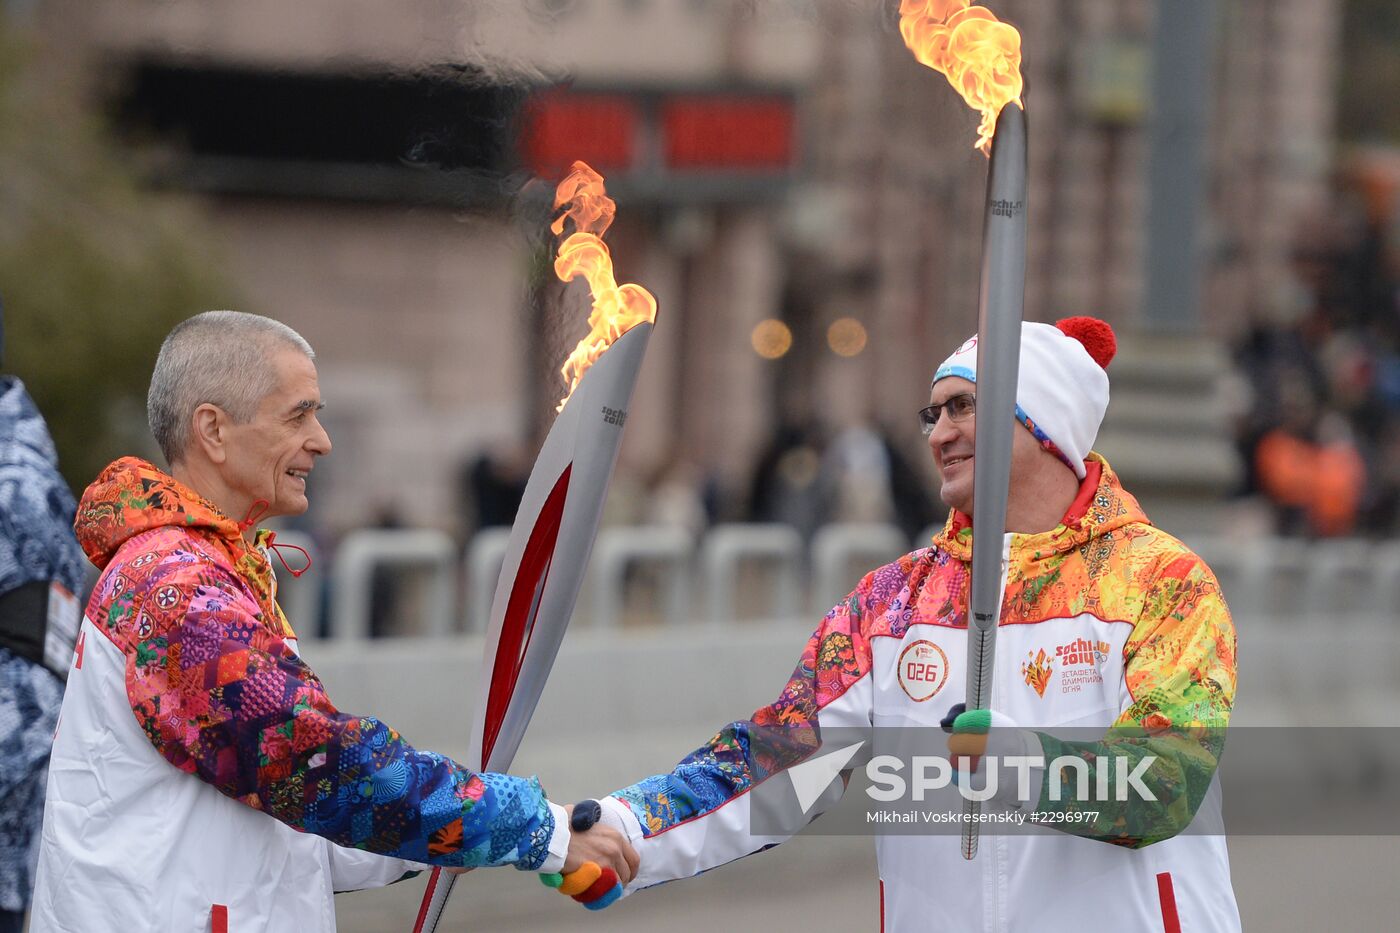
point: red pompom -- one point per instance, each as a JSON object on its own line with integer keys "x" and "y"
{"x": 1096, "y": 336}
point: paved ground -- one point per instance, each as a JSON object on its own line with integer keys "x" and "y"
{"x": 1284, "y": 884}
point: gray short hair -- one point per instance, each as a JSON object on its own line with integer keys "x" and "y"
{"x": 219, "y": 357}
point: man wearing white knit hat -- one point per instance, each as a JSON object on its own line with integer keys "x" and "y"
{"x": 1107, "y": 624}
{"x": 1061, "y": 398}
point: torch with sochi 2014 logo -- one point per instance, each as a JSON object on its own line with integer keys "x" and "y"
{"x": 549, "y": 544}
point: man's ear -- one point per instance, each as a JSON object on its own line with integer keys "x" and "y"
{"x": 210, "y": 432}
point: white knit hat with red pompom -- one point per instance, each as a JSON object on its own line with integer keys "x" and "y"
{"x": 1062, "y": 387}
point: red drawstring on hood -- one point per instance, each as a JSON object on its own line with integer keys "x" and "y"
{"x": 256, "y": 511}
{"x": 274, "y": 547}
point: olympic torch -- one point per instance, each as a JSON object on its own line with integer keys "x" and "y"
{"x": 981, "y": 58}
{"x": 999, "y": 315}
{"x": 554, "y": 530}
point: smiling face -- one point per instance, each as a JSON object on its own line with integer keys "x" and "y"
{"x": 953, "y": 444}
{"x": 269, "y": 456}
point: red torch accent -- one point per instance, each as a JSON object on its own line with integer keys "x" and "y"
{"x": 522, "y": 610}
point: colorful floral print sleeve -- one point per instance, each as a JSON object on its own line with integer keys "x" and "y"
{"x": 1180, "y": 679}
{"x": 221, "y": 694}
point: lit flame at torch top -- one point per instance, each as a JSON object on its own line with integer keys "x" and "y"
{"x": 978, "y": 54}
{"x": 616, "y": 308}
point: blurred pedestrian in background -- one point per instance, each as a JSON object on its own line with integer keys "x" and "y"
{"x": 787, "y": 482}
{"x": 1317, "y": 435}
{"x": 41, "y": 576}
{"x": 1309, "y": 468}
{"x": 491, "y": 487}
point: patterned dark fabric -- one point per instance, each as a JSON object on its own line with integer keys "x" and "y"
{"x": 36, "y": 544}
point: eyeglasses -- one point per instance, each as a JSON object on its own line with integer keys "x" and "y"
{"x": 959, "y": 408}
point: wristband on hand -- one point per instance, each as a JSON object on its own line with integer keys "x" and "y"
{"x": 586, "y": 815}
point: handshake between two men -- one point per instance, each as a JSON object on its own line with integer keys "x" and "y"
{"x": 601, "y": 860}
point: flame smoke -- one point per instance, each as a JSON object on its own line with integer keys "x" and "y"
{"x": 616, "y": 308}
{"x": 978, "y": 54}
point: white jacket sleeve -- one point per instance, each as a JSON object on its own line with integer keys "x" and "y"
{"x": 356, "y": 869}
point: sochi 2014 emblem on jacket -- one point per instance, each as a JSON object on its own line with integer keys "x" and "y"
{"x": 1080, "y": 663}
{"x": 1036, "y": 669}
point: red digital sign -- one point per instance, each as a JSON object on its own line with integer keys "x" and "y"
{"x": 728, "y": 132}
{"x": 561, "y": 127}
{"x": 721, "y": 131}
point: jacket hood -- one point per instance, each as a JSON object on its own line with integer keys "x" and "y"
{"x": 131, "y": 497}
{"x": 1102, "y": 505}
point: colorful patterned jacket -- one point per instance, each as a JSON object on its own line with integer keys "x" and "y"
{"x": 1107, "y": 624}
{"x": 199, "y": 769}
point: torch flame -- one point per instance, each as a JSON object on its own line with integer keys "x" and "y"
{"x": 978, "y": 54}
{"x": 616, "y": 308}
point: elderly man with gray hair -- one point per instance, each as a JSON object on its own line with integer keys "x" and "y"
{"x": 201, "y": 778}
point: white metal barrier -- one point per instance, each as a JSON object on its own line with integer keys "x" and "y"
{"x": 1342, "y": 578}
{"x": 836, "y": 547}
{"x": 617, "y": 549}
{"x": 1387, "y": 569}
{"x": 362, "y": 552}
{"x": 726, "y": 546}
{"x": 485, "y": 555}
{"x": 1284, "y": 571}
{"x": 1290, "y": 580}
{"x": 1284, "y": 583}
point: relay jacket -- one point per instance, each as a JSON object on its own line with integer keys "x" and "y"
{"x": 1105, "y": 622}
{"x": 201, "y": 778}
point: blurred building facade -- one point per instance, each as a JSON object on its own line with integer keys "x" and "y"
{"x": 771, "y": 160}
